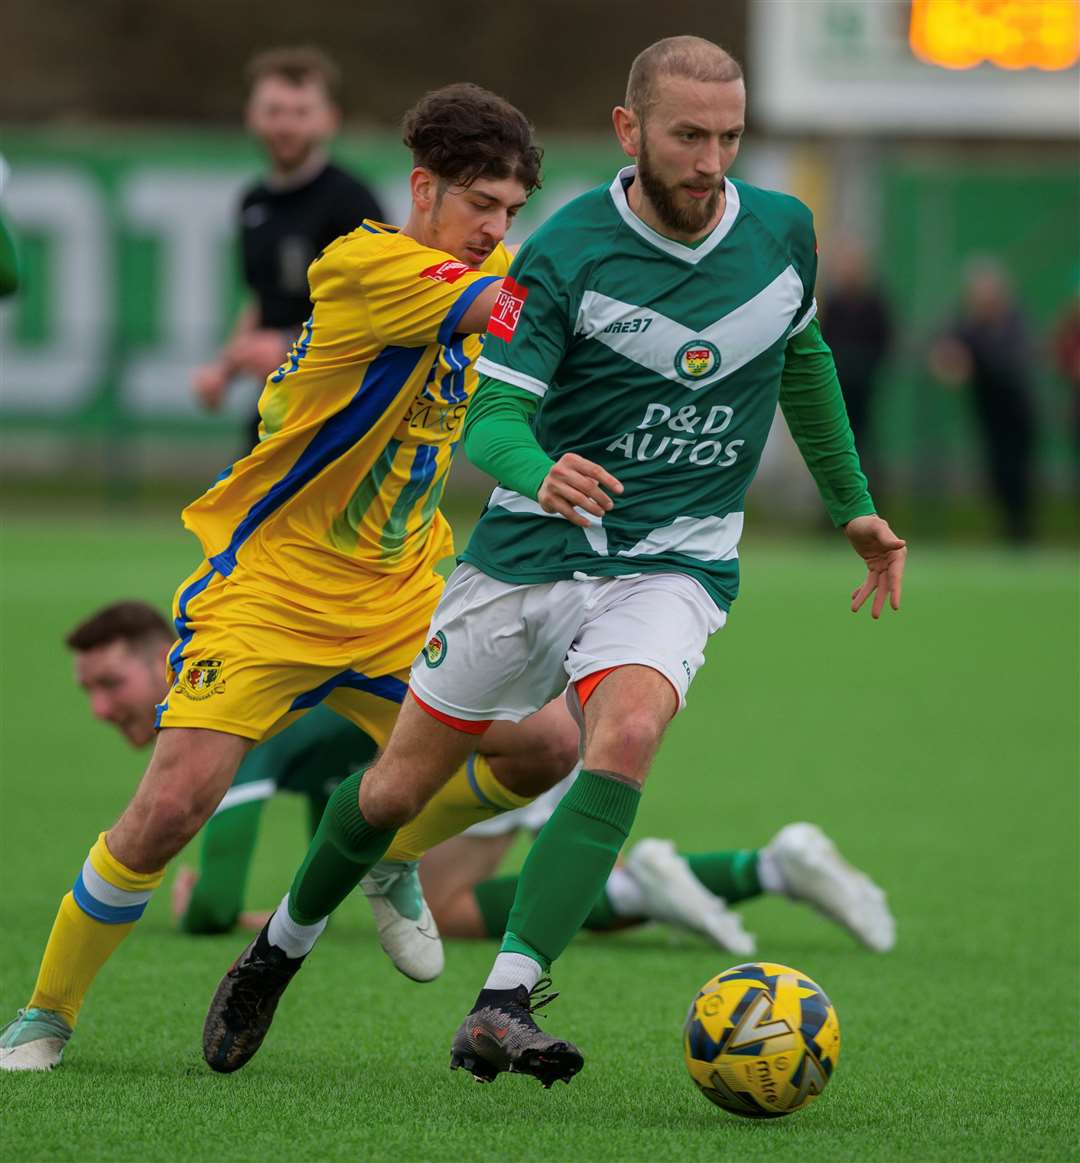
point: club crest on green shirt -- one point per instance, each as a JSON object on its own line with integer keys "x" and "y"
{"x": 697, "y": 358}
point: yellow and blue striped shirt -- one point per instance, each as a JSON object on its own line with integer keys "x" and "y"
{"x": 358, "y": 429}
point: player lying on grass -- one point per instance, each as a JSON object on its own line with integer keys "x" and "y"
{"x": 655, "y": 882}
{"x": 120, "y": 653}
{"x": 321, "y": 545}
{"x": 632, "y": 369}
{"x": 119, "y": 662}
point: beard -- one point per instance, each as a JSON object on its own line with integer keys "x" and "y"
{"x": 292, "y": 155}
{"x": 688, "y": 219}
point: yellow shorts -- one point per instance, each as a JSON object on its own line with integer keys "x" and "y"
{"x": 248, "y": 663}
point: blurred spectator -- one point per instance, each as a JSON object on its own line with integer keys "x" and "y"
{"x": 857, "y": 324}
{"x": 988, "y": 349}
{"x": 9, "y": 265}
{"x": 1067, "y": 356}
{"x": 9, "y": 257}
{"x": 301, "y": 205}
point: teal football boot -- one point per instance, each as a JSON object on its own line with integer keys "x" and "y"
{"x": 407, "y": 930}
{"x": 34, "y": 1040}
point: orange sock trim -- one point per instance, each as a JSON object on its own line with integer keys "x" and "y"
{"x": 469, "y": 726}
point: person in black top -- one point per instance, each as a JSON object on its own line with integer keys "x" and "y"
{"x": 988, "y": 349}
{"x": 9, "y": 255}
{"x": 857, "y": 324}
{"x": 302, "y": 204}
{"x": 1065, "y": 345}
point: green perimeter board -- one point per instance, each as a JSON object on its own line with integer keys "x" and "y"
{"x": 937, "y": 215}
{"x": 935, "y": 212}
{"x": 107, "y": 161}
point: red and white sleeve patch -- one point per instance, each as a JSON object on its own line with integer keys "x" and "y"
{"x": 507, "y": 310}
{"x": 446, "y": 272}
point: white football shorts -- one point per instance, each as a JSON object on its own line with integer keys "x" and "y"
{"x": 502, "y": 651}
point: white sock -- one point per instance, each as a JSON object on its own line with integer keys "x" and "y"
{"x": 768, "y": 872}
{"x": 625, "y": 895}
{"x": 297, "y": 940}
{"x": 511, "y": 970}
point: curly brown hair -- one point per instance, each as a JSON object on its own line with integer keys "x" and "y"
{"x": 462, "y": 132}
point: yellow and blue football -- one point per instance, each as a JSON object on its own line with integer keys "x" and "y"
{"x": 761, "y": 1040}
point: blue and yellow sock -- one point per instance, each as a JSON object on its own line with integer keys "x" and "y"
{"x": 472, "y": 794}
{"x": 99, "y": 912}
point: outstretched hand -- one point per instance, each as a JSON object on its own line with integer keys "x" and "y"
{"x": 574, "y": 484}
{"x": 884, "y": 554}
{"x": 210, "y": 383}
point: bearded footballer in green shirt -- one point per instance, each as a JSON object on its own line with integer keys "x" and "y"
{"x": 631, "y": 373}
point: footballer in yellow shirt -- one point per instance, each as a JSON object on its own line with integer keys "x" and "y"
{"x": 320, "y": 545}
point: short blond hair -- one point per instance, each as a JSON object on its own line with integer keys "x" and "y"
{"x": 676, "y": 56}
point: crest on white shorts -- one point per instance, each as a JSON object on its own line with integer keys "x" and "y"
{"x": 435, "y": 649}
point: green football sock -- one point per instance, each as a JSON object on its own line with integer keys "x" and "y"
{"x": 602, "y": 916}
{"x": 732, "y": 875}
{"x": 343, "y": 850}
{"x": 316, "y": 808}
{"x": 569, "y": 863}
{"x": 495, "y": 898}
{"x": 227, "y": 848}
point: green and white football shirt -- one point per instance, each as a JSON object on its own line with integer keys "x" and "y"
{"x": 659, "y": 361}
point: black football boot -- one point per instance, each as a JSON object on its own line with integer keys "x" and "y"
{"x": 500, "y": 1035}
{"x": 243, "y": 1006}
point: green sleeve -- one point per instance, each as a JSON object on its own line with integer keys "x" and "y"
{"x": 227, "y": 848}
{"x": 9, "y": 261}
{"x": 499, "y": 438}
{"x": 813, "y": 407}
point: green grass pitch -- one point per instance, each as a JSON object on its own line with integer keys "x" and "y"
{"x": 938, "y": 747}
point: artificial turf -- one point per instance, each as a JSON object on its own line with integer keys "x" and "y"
{"x": 938, "y": 748}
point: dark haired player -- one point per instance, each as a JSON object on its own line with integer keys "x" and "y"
{"x": 286, "y": 218}
{"x": 319, "y": 579}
